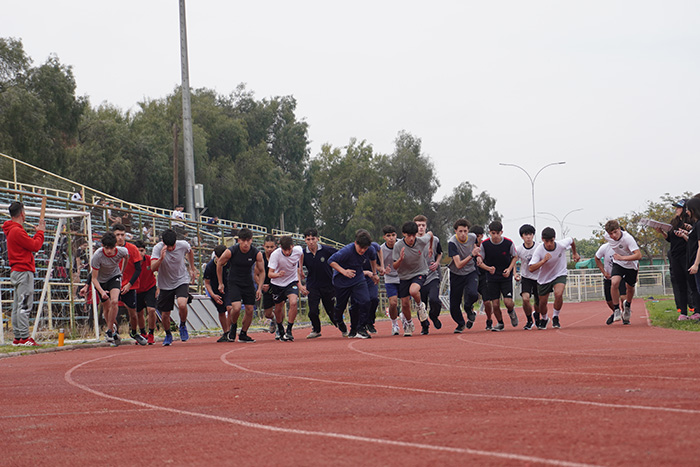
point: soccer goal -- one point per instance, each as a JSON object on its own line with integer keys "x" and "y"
{"x": 61, "y": 270}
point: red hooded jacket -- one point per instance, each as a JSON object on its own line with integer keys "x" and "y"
{"x": 20, "y": 246}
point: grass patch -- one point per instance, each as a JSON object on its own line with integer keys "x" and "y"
{"x": 663, "y": 313}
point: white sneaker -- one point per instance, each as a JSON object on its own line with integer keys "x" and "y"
{"x": 313, "y": 335}
{"x": 422, "y": 312}
{"x": 513, "y": 317}
{"x": 626, "y": 313}
{"x": 395, "y": 327}
{"x": 617, "y": 315}
{"x": 408, "y": 329}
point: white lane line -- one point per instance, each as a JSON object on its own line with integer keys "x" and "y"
{"x": 384, "y": 442}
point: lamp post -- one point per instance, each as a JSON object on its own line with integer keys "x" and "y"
{"x": 561, "y": 221}
{"x": 532, "y": 183}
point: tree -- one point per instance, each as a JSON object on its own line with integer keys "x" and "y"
{"x": 478, "y": 209}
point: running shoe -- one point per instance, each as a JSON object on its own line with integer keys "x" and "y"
{"x": 28, "y": 342}
{"x": 151, "y": 339}
{"x": 184, "y": 335}
{"x": 273, "y": 327}
{"x": 469, "y": 324}
{"x": 695, "y": 316}
{"x": 683, "y": 318}
{"x": 117, "y": 338}
{"x": 109, "y": 338}
{"x": 289, "y": 335}
{"x": 15, "y": 342}
{"x": 371, "y": 329}
{"x": 232, "y": 333}
{"x": 313, "y": 335}
{"x": 168, "y": 340}
{"x": 362, "y": 334}
{"x": 626, "y": 313}
{"x": 140, "y": 340}
{"x": 424, "y": 328}
{"x": 617, "y": 315}
{"x": 223, "y": 338}
{"x": 408, "y": 329}
{"x": 459, "y": 329}
{"x": 244, "y": 337}
{"x": 277, "y": 335}
{"x": 352, "y": 334}
{"x": 436, "y": 321}
{"x": 528, "y": 325}
{"x": 543, "y": 324}
{"x": 489, "y": 325}
{"x": 610, "y": 319}
{"x": 395, "y": 330}
{"x": 498, "y": 327}
{"x": 343, "y": 328}
{"x": 513, "y": 317}
{"x": 471, "y": 316}
{"x": 422, "y": 312}
{"x": 555, "y": 322}
{"x": 286, "y": 337}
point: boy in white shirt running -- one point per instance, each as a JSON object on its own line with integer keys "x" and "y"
{"x": 549, "y": 259}
{"x": 528, "y": 279}
{"x": 625, "y": 267}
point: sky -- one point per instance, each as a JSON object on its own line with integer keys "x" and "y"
{"x": 611, "y": 88}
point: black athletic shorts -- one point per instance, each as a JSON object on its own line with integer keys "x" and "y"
{"x": 267, "y": 300}
{"x": 128, "y": 299}
{"x": 607, "y": 289}
{"x": 238, "y": 293}
{"x": 405, "y": 285}
{"x": 113, "y": 283}
{"x": 280, "y": 294}
{"x": 494, "y": 290}
{"x": 166, "y": 298}
{"x": 628, "y": 275}
{"x": 146, "y": 299}
{"x": 528, "y": 285}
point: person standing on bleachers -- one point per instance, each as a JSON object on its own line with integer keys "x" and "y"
{"x": 20, "y": 253}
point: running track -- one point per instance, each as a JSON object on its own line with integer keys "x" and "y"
{"x": 588, "y": 394}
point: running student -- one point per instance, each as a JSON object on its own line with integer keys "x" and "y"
{"x": 483, "y": 277}
{"x": 430, "y": 292}
{"x": 625, "y": 266}
{"x": 20, "y": 249}
{"x": 146, "y": 292}
{"x": 241, "y": 258}
{"x": 527, "y": 278}
{"x": 319, "y": 282}
{"x": 464, "y": 278}
{"x": 372, "y": 279}
{"x": 349, "y": 281}
{"x": 603, "y": 259}
{"x": 498, "y": 255}
{"x": 106, "y": 279}
{"x": 285, "y": 275}
{"x": 268, "y": 304}
{"x": 174, "y": 278}
{"x": 410, "y": 261}
{"x": 211, "y": 284}
{"x": 391, "y": 277}
{"x": 132, "y": 272}
{"x": 549, "y": 259}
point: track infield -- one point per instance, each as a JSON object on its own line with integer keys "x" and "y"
{"x": 586, "y": 394}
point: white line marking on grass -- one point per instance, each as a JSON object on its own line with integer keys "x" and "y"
{"x": 385, "y": 442}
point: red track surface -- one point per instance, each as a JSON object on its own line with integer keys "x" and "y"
{"x": 585, "y": 394}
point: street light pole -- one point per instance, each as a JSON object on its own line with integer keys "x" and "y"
{"x": 561, "y": 221}
{"x": 532, "y": 183}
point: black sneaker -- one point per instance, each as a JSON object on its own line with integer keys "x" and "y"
{"x": 436, "y": 322}
{"x": 555, "y": 322}
{"x": 469, "y": 324}
{"x": 223, "y": 338}
{"x": 352, "y": 334}
{"x": 343, "y": 328}
{"x": 543, "y": 324}
{"x": 528, "y": 325}
{"x": 489, "y": 325}
{"x": 371, "y": 329}
{"x": 424, "y": 328}
{"x": 244, "y": 337}
{"x": 610, "y": 319}
{"x": 363, "y": 334}
{"x": 286, "y": 337}
{"x": 471, "y": 315}
{"x": 232, "y": 333}
{"x": 536, "y": 319}
{"x": 498, "y": 327}
{"x": 459, "y": 329}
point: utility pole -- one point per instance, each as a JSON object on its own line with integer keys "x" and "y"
{"x": 186, "y": 116}
{"x": 176, "y": 181}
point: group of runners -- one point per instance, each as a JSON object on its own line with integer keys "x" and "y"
{"x": 481, "y": 264}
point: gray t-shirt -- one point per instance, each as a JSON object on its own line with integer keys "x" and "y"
{"x": 108, "y": 266}
{"x": 414, "y": 261}
{"x": 172, "y": 272}
{"x": 390, "y": 275}
{"x": 463, "y": 250}
{"x": 437, "y": 249}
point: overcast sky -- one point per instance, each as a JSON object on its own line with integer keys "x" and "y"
{"x": 610, "y": 87}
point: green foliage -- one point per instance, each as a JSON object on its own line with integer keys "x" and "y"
{"x": 478, "y": 209}
{"x": 662, "y": 313}
{"x": 587, "y": 247}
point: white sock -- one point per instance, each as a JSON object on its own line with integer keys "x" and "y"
{"x": 556, "y": 312}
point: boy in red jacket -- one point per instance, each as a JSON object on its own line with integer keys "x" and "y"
{"x": 20, "y": 249}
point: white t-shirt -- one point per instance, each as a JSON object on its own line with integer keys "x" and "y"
{"x": 624, "y": 247}
{"x": 525, "y": 255}
{"x": 172, "y": 271}
{"x": 289, "y": 264}
{"x": 556, "y": 266}
{"x": 605, "y": 253}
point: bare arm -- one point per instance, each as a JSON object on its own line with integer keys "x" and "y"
{"x": 220, "y": 263}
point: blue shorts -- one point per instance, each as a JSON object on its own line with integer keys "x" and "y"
{"x": 392, "y": 290}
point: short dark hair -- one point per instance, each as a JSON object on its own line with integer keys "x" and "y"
{"x": 409, "y": 228}
{"x": 16, "y": 208}
{"x": 310, "y": 232}
{"x": 219, "y": 250}
{"x": 693, "y": 207}
{"x": 245, "y": 234}
{"x": 495, "y": 226}
{"x": 363, "y": 238}
{"x": 612, "y": 225}
{"x": 462, "y": 222}
{"x": 270, "y": 238}
{"x": 477, "y": 230}
{"x": 109, "y": 240}
{"x": 388, "y": 229}
{"x": 527, "y": 229}
{"x": 139, "y": 244}
{"x": 118, "y": 226}
{"x": 548, "y": 233}
{"x": 169, "y": 237}
{"x": 286, "y": 242}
